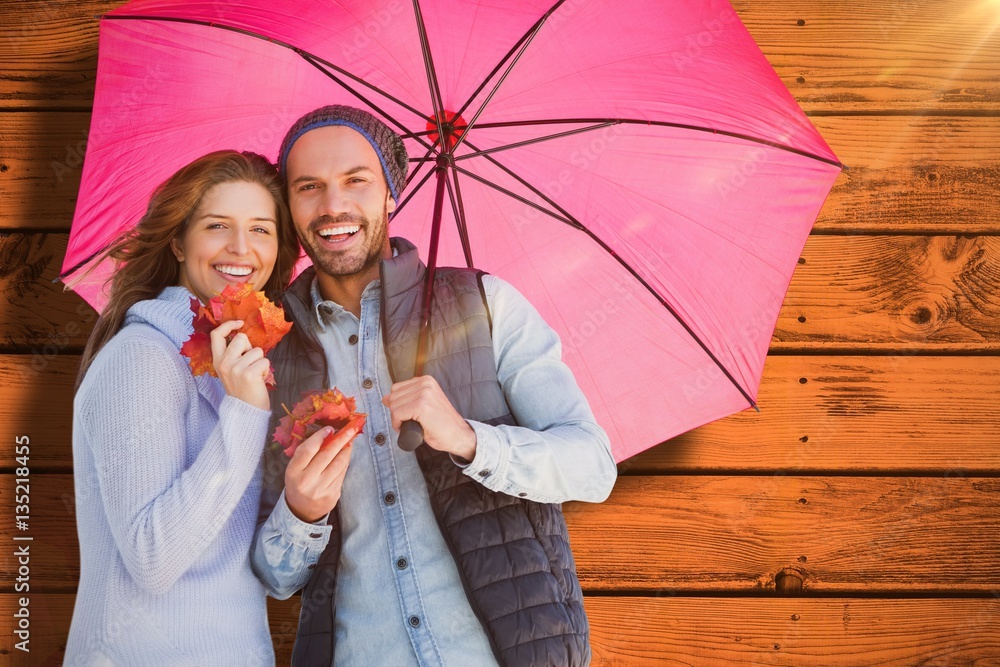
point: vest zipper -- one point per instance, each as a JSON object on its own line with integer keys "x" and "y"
{"x": 461, "y": 575}
{"x": 437, "y": 516}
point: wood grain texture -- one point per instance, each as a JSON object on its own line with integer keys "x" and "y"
{"x": 881, "y": 56}
{"x": 916, "y": 175}
{"x": 683, "y": 534}
{"x": 682, "y": 631}
{"x": 49, "y": 52}
{"x": 40, "y": 168}
{"x": 912, "y": 293}
{"x": 919, "y": 293}
{"x": 849, "y": 55}
{"x": 634, "y": 632}
{"x": 857, "y": 535}
{"x": 36, "y": 400}
{"x": 928, "y": 175}
{"x": 852, "y": 414}
{"x": 37, "y": 316}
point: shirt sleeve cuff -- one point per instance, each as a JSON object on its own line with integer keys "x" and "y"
{"x": 489, "y": 466}
{"x": 312, "y": 536}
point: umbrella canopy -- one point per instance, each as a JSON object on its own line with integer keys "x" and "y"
{"x": 637, "y": 170}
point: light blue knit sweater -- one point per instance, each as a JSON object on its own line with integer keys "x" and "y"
{"x": 167, "y": 476}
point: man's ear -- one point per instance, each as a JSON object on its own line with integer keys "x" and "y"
{"x": 390, "y": 204}
{"x": 178, "y": 250}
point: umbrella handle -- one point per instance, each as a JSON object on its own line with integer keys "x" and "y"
{"x": 411, "y": 435}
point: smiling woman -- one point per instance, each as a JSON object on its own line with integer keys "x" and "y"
{"x": 167, "y": 498}
{"x": 231, "y": 238}
{"x": 209, "y": 198}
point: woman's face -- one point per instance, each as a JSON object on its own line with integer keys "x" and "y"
{"x": 231, "y": 238}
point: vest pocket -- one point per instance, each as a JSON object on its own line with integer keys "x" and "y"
{"x": 537, "y": 516}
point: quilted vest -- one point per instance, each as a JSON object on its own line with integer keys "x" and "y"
{"x": 532, "y": 611}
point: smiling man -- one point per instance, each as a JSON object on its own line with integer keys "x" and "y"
{"x": 457, "y": 553}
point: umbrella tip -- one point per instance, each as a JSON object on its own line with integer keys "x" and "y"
{"x": 756, "y": 407}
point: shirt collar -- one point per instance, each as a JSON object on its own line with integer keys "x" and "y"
{"x": 326, "y": 310}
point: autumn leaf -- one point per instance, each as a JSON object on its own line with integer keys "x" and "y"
{"x": 263, "y": 323}
{"x": 316, "y": 410}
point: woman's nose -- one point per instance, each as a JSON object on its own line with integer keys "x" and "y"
{"x": 239, "y": 244}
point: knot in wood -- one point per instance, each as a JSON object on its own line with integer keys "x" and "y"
{"x": 788, "y": 581}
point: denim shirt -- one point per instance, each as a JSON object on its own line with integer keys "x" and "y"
{"x": 399, "y": 597}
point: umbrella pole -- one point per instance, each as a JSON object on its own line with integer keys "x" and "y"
{"x": 411, "y": 433}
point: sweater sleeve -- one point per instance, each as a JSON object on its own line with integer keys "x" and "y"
{"x": 165, "y": 499}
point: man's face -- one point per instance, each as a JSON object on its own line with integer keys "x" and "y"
{"x": 339, "y": 200}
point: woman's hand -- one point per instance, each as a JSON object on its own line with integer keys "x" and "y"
{"x": 241, "y": 367}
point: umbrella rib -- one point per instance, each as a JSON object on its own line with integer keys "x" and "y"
{"x": 82, "y": 262}
{"x": 536, "y": 140}
{"x": 420, "y": 163}
{"x": 412, "y": 192}
{"x": 514, "y": 195}
{"x": 660, "y": 123}
{"x": 432, "y": 81}
{"x": 311, "y": 58}
{"x": 458, "y": 206}
{"x": 569, "y": 218}
{"x": 573, "y": 222}
{"x": 532, "y": 31}
{"x": 482, "y": 107}
{"x": 316, "y": 62}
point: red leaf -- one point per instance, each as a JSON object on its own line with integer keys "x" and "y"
{"x": 316, "y": 410}
{"x": 263, "y": 323}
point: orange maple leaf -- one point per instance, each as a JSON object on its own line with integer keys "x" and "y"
{"x": 316, "y": 410}
{"x": 263, "y": 323}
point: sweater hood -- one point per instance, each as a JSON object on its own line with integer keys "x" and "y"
{"x": 169, "y": 313}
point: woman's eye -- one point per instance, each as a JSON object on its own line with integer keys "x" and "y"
{"x": 263, "y": 230}
{"x": 216, "y": 225}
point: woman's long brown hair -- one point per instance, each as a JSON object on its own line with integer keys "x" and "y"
{"x": 145, "y": 263}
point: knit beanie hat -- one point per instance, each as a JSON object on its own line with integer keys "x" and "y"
{"x": 387, "y": 144}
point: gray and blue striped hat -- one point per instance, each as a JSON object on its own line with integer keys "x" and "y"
{"x": 387, "y": 144}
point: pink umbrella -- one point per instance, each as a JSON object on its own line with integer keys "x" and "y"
{"x": 636, "y": 169}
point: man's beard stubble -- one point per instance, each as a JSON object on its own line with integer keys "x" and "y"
{"x": 343, "y": 265}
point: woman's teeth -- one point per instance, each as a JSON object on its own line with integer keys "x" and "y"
{"x": 234, "y": 270}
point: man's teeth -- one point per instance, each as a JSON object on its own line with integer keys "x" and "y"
{"x": 336, "y": 231}
{"x": 235, "y": 270}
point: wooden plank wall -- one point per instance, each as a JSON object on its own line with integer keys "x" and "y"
{"x": 855, "y": 521}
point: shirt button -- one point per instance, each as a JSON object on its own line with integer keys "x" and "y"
{"x": 353, "y": 340}
{"x": 390, "y": 498}
{"x": 484, "y": 473}
{"x": 415, "y": 621}
{"x": 367, "y": 384}
{"x": 401, "y": 563}
{"x": 380, "y": 439}
{"x": 315, "y": 535}
{"x": 522, "y": 494}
